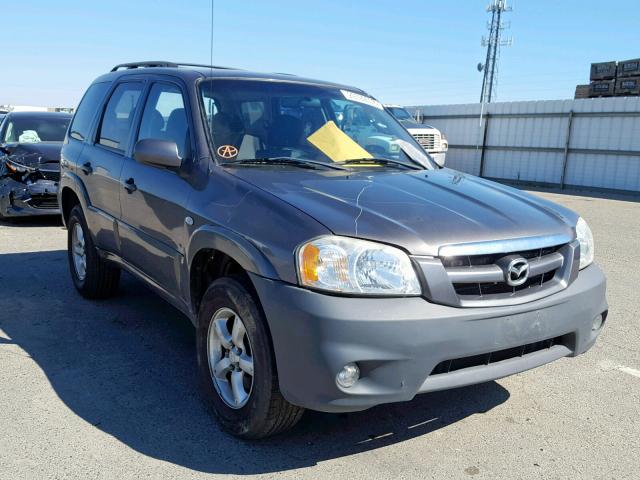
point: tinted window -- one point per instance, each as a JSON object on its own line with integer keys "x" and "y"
{"x": 118, "y": 116}
{"x": 36, "y": 129}
{"x": 164, "y": 117}
{"x": 87, "y": 109}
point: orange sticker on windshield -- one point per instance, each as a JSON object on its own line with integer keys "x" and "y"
{"x": 227, "y": 151}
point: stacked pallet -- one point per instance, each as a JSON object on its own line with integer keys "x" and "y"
{"x": 612, "y": 78}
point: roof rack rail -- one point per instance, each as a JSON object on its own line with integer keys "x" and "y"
{"x": 161, "y": 63}
{"x": 144, "y": 65}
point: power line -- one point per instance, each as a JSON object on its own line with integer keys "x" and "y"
{"x": 493, "y": 44}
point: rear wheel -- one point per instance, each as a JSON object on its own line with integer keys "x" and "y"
{"x": 237, "y": 366}
{"x": 92, "y": 276}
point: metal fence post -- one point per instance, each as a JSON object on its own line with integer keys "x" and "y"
{"x": 484, "y": 143}
{"x": 566, "y": 149}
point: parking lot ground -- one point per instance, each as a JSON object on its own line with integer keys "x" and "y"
{"x": 108, "y": 389}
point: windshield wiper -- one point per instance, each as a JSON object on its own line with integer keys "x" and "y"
{"x": 299, "y": 162}
{"x": 380, "y": 161}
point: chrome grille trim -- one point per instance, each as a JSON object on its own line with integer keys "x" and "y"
{"x": 562, "y": 264}
{"x": 493, "y": 273}
{"x": 504, "y": 246}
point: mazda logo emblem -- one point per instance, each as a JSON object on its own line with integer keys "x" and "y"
{"x": 517, "y": 272}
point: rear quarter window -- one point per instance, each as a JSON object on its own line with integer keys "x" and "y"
{"x": 87, "y": 110}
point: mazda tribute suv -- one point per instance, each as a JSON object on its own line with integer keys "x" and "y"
{"x": 326, "y": 261}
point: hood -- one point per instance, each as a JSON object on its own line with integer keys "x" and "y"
{"x": 419, "y": 211}
{"x": 44, "y": 155}
{"x": 412, "y": 124}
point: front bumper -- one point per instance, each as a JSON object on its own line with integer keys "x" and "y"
{"x": 397, "y": 342}
{"x": 21, "y": 199}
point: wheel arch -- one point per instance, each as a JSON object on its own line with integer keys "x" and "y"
{"x": 215, "y": 252}
{"x": 72, "y": 192}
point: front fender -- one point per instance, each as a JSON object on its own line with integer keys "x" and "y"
{"x": 235, "y": 246}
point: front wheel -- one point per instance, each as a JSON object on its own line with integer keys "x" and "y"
{"x": 236, "y": 364}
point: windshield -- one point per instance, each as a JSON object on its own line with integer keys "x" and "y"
{"x": 254, "y": 119}
{"x": 36, "y": 129}
{"x": 400, "y": 113}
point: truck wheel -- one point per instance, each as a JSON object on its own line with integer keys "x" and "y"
{"x": 92, "y": 276}
{"x": 237, "y": 366}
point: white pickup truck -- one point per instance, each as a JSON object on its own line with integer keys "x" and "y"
{"x": 431, "y": 139}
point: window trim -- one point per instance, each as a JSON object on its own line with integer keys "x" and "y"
{"x": 143, "y": 92}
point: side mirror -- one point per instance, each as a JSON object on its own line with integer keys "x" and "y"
{"x": 161, "y": 153}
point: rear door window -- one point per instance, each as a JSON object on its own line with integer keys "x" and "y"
{"x": 117, "y": 119}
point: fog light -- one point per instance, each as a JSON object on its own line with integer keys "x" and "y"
{"x": 597, "y": 323}
{"x": 348, "y": 376}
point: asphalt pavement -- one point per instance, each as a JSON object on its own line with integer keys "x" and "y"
{"x": 108, "y": 389}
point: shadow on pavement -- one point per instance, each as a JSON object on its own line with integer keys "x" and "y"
{"x": 127, "y": 366}
{"x": 39, "y": 221}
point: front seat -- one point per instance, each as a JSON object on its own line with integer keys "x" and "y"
{"x": 284, "y": 133}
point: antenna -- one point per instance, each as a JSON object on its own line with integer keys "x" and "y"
{"x": 211, "y": 39}
{"x": 211, "y": 72}
{"x": 493, "y": 44}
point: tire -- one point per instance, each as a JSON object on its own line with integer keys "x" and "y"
{"x": 265, "y": 412}
{"x": 101, "y": 278}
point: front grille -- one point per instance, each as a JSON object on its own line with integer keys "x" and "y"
{"x": 474, "y": 263}
{"x": 44, "y": 202}
{"x": 482, "y": 289}
{"x": 485, "y": 359}
{"x": 475, "y": 274}
{"x": 428, "y": 141}
{"x": 477, "y": 260}
{"x": 53, "y": 175}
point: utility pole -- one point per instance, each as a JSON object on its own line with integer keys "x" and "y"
{"x": 493, "y": 44}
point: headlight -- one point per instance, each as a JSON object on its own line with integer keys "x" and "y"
{"x": 348, "y": 265}
{"x": 14, "y": 167}
{"x": 444, "y": 141}
{"x": 585, "y": 237}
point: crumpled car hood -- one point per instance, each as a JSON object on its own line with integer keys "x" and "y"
{"x": 45, "y": 154}
{"x": 419, "y": 211}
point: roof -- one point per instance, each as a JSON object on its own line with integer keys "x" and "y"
{"x": 191, "y": 72}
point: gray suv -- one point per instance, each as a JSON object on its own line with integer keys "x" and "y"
{"x": 325, "y": 260}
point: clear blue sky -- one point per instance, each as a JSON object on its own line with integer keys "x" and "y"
{"x": 402, "y": 51}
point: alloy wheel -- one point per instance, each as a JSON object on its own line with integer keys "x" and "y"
{"x": 230, "y": 358}
{"x": 78, "y": 251}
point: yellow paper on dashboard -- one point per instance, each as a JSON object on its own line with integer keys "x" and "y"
{"x": 336, "y": 144}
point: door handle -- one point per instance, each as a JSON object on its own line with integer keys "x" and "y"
{"x": 130, "y": 185}
{"x": 86, "y": 168}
